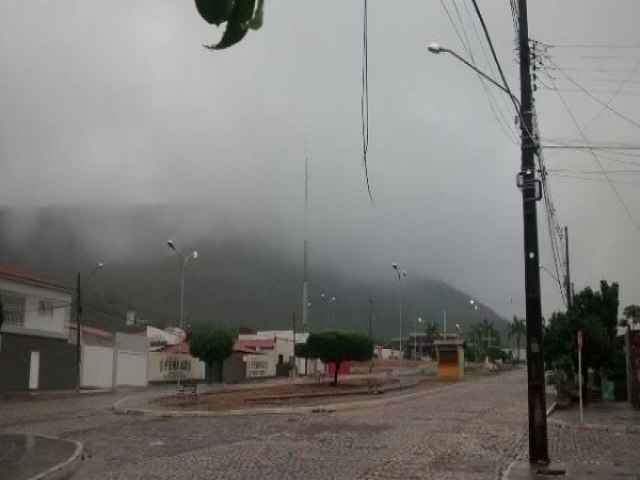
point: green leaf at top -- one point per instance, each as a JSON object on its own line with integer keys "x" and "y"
{"x": 215, "y": 12}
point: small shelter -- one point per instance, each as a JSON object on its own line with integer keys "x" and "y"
{"x": 450, "y": 357}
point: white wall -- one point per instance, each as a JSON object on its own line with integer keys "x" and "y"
{"x": 163, "y": 367}
{"x": 131, "y": 359}
{"x": 263, "y": 365}
{"x": 97, "y": 366}
{"x": 33, "y": 319}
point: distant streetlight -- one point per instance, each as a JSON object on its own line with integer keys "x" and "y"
{"x": 472, "y": 302}
{"x": 79, "y": 287}
{"x": 332, "y": 303}
{"x": 183, "y": 263}
{"x": 401, "y": 273}
{"x": 415, "y": 340}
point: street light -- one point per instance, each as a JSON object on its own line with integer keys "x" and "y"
{"x": 436, "y": 48}
{"x": 472, "y": 302}
{"x": 415, "y": 340}
{"x": 529, "y": 186}
{"x": 332, "y": 302}
{"x": 183, "y": 263}
{"x": 401, "y": 273}
{"x": 79, "y": 287}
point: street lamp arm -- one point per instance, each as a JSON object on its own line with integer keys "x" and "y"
{"x": 95, "y": 269}
{"x": 484, "y": 75}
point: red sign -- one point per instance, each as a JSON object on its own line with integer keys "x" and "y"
{"x": 579, "y": 339}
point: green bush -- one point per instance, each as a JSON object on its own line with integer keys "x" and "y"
{"x": 564, "y": 379}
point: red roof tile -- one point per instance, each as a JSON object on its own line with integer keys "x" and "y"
{"x": 19, "y": 276}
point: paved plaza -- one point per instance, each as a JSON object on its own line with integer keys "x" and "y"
{"x": 469, "y": 430}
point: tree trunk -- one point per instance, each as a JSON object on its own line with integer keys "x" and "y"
{"x": 518, "y": 346}
{"x": 209, "y": 373}
{"x": 335, "y": 374}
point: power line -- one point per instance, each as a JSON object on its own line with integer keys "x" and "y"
{"x": 505, "y": 118}
{"x": 597, "y": 160}
{"x": 592, "y": 172}
{"x": 495, "y": 57}
{"x": 596, "y": 99}
{"x": 467, "y": 48}
{"x": 591, "y": 179}
{"x": 590, "y": 46}
{"x": 364, "y": 100}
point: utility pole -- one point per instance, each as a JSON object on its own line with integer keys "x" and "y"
{"x": 78, "y": 346}
{"x": 530, "y": 186}
{"x": 293, "y": 326}
{"x": 567, "y": 277}
{"x": 371, "y": 319}
{"x": 444, "y": 320}
{"x": 305, "y": 278}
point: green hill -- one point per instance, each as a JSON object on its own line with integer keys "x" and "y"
{"x": 241, "y": 281}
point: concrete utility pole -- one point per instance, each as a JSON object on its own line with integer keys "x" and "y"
{"x": 305, "y": 277}
{"x": 293, "y": 326}
{"x": 530, "y": 186}
{"x": 371, "y": 319}
{"x": 78, "y": 346}
{"x": 78, "y": 324}
{"x": 567, "y": 278}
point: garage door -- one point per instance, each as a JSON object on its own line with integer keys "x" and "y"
{"x": 132, "y": 369}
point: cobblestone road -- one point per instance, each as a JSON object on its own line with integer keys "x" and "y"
{"x": 471, "y": 430}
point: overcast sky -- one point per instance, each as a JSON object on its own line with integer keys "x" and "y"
{"x": 117, "y": 102}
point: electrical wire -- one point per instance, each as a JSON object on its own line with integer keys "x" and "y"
{"x": 593, "y": 97}
{"x": 495, "y": 56}
{"x": 597, "y": 160}
{"x": 554, "y": 229}
{"x": 466, "y": 45}
{"x": 591, "y": 179}
{"x": 364, "y": 100}
{"x": 512, "y": 135}
{"x": 592, "y": 172}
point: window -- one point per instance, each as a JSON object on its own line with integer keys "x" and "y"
{"x": 13, "y": 306}
{"x": 45, "y": 308}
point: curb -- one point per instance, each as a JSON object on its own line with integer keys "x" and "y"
{"x": 64, "y": 469}
{"x": 327, "y": 408}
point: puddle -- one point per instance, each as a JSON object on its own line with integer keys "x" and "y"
{"x": 23, "y": 456}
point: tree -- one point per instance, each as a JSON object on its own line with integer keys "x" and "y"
{"x": 632, "y": 313}
{"x": 211, "y": 346}
{"x": 595, "y": 313}
{"x": 517, "y": 330}
{"x": 489, "y": 334}
{"x": 337, "y": 347}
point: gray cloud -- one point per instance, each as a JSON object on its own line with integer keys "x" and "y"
{"x": 117, "y": 103}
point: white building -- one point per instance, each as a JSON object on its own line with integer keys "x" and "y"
{"x": 34, "y": 348}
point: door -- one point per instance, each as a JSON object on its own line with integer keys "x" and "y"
{"x": 131, "y": 369}
{"x": 34, "y": 370}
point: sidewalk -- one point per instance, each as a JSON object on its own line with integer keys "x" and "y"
{"x": 24, "y": 457}
{"x": 604, "y": 446}
{"x": 609, "y": 415}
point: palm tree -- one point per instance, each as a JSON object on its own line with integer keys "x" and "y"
{"x": 517, "y": 329}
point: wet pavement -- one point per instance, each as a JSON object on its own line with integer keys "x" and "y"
{"x": 611, "y": 414}
{"x": 23, "y": 456}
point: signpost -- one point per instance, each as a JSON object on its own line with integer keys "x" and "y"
{"x": 580, "y": 374}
